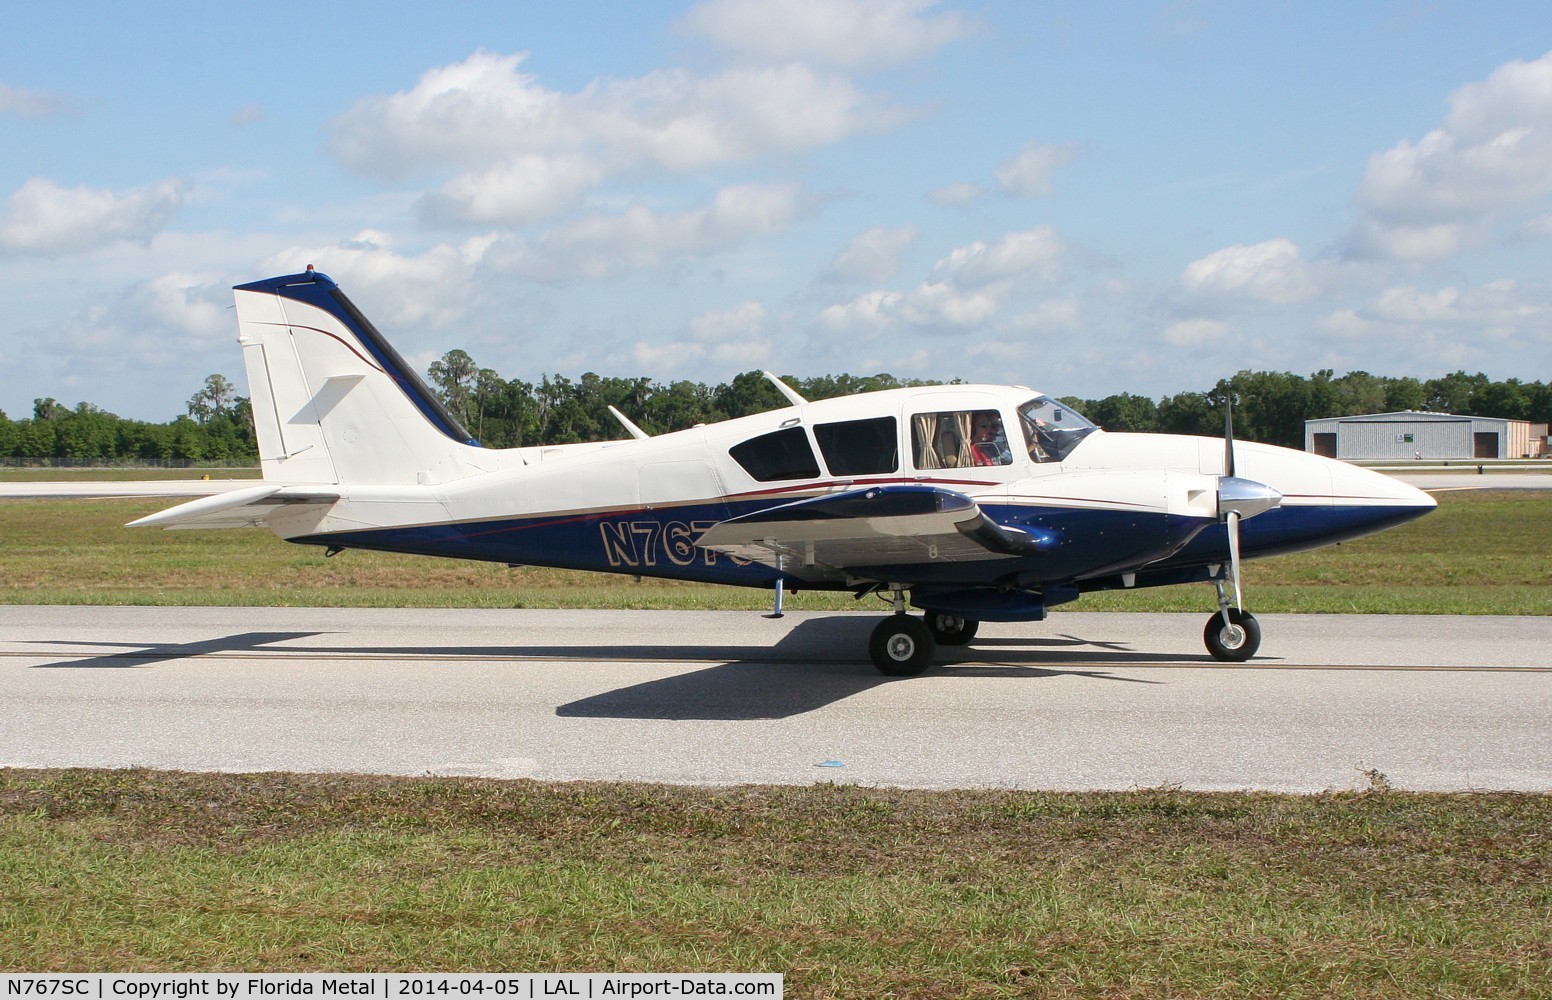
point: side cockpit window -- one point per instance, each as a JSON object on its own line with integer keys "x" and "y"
{"x": 783, "y": 454}
{"x": 859, "y": 447}
{"x": 1051, "y": 430}
{"x": 959, "y": 439}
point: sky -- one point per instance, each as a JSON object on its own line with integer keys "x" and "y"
{"x": 1082, "y": 198}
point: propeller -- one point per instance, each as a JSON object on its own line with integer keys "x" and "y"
{"x": 1238, "y": 499}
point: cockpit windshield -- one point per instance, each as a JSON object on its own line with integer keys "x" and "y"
{"x": 1052, "y": 430}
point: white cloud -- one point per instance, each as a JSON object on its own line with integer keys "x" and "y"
{"x": 873, "y": 255}
{"x": 1493, "y": 310}
{"x": 682, "y": 359}
{"x": 466, "y": 114}
{"x": 962, "y": 193}
{"x": 1271, "y": 272}
{"x": 1031, "y": 256}
{"x": 523, "y": 189}
{"x": 851, "y": 34}
{"x": 1196, "y": 332}
{"x": 171, "y": 330}
{"x": 970, "y": 288}
{"x": 746, "y": 319}
{"x": 1028, "y": 175}
{"x": 426, "y": 289}
{"x": 522, "y": 152}
{"x": 1051, "y": 316}
{"x": 48, "y": 220}
{"x": 864, "y": 317}
{"x": 32, "y": 103}
{"x": 640, "y": 238}
{"x": 1490, "y": 160}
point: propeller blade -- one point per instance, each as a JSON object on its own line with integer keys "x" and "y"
{"x": 1228, "y": 434}
{"x": 1232, "y": 523}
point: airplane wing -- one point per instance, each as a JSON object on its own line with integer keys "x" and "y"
{"x": 842, "y": 536}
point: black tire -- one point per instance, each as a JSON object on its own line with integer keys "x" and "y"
{"x": 951, "y": 630}
{"x": 1236, "y": 642}
{"x": 901, "y": 646}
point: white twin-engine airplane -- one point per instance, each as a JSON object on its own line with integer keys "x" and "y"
{"x": 970, "y": 502}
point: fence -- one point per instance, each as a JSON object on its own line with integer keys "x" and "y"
{"x": 122, "y": 463}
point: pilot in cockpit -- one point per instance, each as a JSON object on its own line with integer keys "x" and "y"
{"x": 988, "y": 441}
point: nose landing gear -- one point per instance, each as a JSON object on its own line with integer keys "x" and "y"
{"x": 1232, "y": 634}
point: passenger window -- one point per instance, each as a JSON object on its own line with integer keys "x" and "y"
{"x": 959, "y": 439}
{"x": 859, "y": 447}
{"x": 783, "y": 454}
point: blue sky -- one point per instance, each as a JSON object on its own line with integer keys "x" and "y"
{"x": 1084, "y": 198}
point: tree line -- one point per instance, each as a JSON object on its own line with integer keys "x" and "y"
{"x": 1269, "y": 406}
{"x": 1272, "y": 407}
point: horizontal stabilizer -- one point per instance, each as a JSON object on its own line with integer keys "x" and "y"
{"x": 238, "y": 509}
{"x": 842, "y": 536}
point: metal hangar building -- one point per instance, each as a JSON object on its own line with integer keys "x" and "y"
{"x": 1416, "y": 435}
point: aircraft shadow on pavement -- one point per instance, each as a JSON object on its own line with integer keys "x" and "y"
{"x": 817, "y": 663}
{"x": 799, "y": 674}
{"x": 146, "y": 654}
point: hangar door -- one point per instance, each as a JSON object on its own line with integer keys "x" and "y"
{"x": 1325, "y": 445}
{"x": 1484, "y": 444}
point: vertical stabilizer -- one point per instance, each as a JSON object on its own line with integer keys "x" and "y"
{"x": 332, "y": 401}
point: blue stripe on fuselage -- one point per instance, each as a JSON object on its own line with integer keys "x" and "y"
{"x": 660, "y": 542}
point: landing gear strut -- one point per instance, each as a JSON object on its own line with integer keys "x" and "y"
{"x": 1232, "y": 634}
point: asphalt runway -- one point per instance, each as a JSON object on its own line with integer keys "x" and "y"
{"x": 1081, "y": 701}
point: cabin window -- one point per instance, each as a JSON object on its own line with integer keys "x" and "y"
{"x": 859, "y": 447}
{"x": 783, "y": 454}
{"x": 1051, "y": 430}
{"x": 959, "y": 439}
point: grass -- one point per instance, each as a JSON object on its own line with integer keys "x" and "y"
{"x": 849, "y": 892}
{"x": 1479, "y": 553}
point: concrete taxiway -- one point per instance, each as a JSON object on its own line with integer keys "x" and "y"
{"x": 1081, "y": 701}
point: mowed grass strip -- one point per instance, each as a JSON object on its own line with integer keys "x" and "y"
{"x": 849, "y": 892}
{"x": 1479, "y": 553}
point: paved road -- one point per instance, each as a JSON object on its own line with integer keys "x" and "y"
{"x": 1084, "y": 700}
{"x": 1449, "y": 481}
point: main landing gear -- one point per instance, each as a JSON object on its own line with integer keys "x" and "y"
{"x": 902, "y": 645}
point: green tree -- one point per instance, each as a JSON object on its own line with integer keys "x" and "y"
{"x": 1452, "y": 393}
{"x": 456, "y": 376}
{"x": 1501, "y": 399}
{"x": 749, "y": 392}
{"x": 1404, "y": 394}
{"x": 1122, "y": 412}
{"x": 214, "y": 399}
{"x": 1189, "y": 413}
{"x": 1359, "y": 393}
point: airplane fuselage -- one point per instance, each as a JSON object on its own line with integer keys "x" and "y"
{"x": 971, "y": 502}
